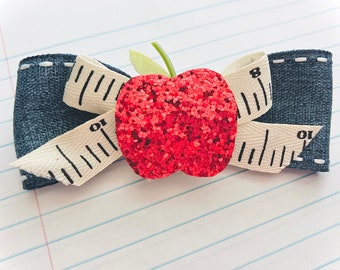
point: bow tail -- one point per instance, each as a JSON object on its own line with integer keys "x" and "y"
{"x": 77, "y": 155}
{"x": 272, "y": 147}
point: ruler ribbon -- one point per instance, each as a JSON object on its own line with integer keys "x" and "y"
{"x": 79, "y": 154}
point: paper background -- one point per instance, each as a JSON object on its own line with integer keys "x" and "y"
{"x": 238, "y": 219}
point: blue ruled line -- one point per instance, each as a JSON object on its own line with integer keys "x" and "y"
{"x": 6, "y": 121}
{"x": 6, "y": 99}
{"x": 121, "y": 216}
{"x": 213, "y": 23}
{"x": 87, "y": 199}
{"x": 137, "y": 25}
{"x": 197, "y": 27}
{"x": 7, "y": 170}
{"x": 200, "y": 217}
{"x": 287, "y": 246}
{"x": 6, "y": 145}
{"x": 261, "y": 47}
{"x": 12, "y": 196}
{"x": 327, "y": 264}
{"x": 236, "y": 35}
{"x": 248, "y": 230}
{"x": 67, "y": 206}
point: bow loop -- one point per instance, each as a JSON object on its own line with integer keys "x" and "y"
{"x": 92, "y": 87}
{"x": 249, "y": 78}
{"x": 77, "y": 155}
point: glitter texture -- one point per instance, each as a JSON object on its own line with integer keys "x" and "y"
{"x": 187, "y": 123}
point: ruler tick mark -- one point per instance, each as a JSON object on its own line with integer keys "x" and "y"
{"x": 109, "y": 89}
{"x": 79, "y": 72}
{"x": 108, "y": 139}
{"x": 264, "y": 147}
{"x": 264, "y": 91}
{"x": 282, "y": 155}
{"x": 250, "y": 159}
{"x": 304, "y": 145}
{"x": 241, "y": 151}
{"x": 84, "y": 88}
{"x": 292, "y": 156}
{"x": 69, "y": 160}
{"x": 257, "y": 102}
{"x": 67, "y": 175}
{"x": 99, "y": 83}
{"x": 86, "y": 161}
{"x": 51, "y": 174}
{"x": 120, "y": 88}
{"x": 272, "y": 160}
{"x": 103, "y": 149}
{"x": 246, "y": 102}
{"x": 92, "y": 153}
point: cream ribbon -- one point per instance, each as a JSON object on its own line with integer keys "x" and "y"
{"x": 79, "y": 154}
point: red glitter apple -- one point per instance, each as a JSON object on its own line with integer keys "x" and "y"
{"x": 186, "y": 122}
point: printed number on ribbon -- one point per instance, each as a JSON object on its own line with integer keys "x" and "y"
{"x": 76, "y": 156}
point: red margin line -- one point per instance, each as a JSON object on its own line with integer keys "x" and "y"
{"x": 6, "y": 57}
{"x": 35, "y": 192}
{"x": 43, "y": 228}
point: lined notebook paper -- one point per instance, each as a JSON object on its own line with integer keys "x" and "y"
{"x": 236, "y": 220}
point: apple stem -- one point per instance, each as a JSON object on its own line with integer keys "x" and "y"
{"x": 166, "y": 59}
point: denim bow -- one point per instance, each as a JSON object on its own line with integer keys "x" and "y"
{"x": 301, "y": 83}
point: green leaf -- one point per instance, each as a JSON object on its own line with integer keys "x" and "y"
{"x": 145, "y": 65}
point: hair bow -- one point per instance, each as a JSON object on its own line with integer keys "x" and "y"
{"x": 261, "y": 113}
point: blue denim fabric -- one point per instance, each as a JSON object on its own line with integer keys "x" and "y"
{"x": 39, "y": 111}
{"x": 302, "y": 94}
